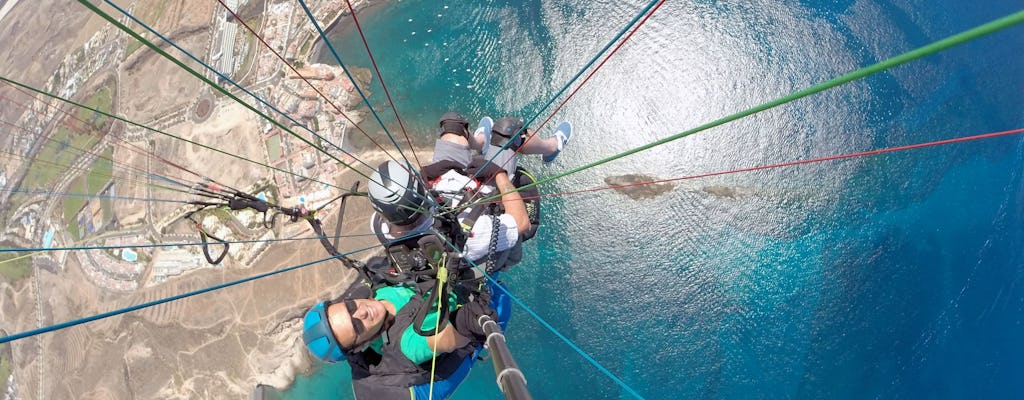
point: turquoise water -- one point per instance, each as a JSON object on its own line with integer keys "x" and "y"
{"x": 891, "y": 276}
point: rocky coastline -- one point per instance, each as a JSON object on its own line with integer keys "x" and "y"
{"x": 339, "y": 22}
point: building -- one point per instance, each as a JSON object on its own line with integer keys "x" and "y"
{"x": 228, "y": 33}
{"x": 174, "y": 262}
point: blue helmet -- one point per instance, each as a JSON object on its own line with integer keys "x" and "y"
{"x": 319, "y": 338}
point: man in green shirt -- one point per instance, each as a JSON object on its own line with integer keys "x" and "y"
{"x": 389, "y": 359}
{"x": 416, "y": 348}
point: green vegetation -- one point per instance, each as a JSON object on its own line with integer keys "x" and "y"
{"x": 250, "y": 57}
{"x": 100, "y": 100}
{"x": 303, "y": 50}
{"x": 66, "y": 145}
{"x": 91, "y": 183}
{"x": 72, "y": 204}
{"x": 222, "y": 214}
{"x": 13, "y": 203}
{"x": 100, "y": 172}
{"x": 14, "y": 271}
{"x": 331, "y": 15}
{"x": 5, "y": 365}
{"x": 132, "y": 47}
{"x": 55, "y": 157}
{"x": 274, "y": 147}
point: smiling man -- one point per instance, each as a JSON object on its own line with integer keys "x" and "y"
{"x": 389, "y": 359}
{"x": 360, "y": 323}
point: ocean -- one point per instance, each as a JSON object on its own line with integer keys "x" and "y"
{"x": 898, "y": 275}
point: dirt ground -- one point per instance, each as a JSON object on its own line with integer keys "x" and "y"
{"x": 154, "y": 86}
{"x": 130, "y": 178}
{"x": 37, "y": 35}
{"x": 214, "y": 345}
{"x": 233, "y": 129}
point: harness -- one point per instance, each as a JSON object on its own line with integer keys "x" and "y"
{"x": 375, "y": 375}
{"x": 418, "y": 261}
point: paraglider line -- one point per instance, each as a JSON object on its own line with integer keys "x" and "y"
{"x": 83, "y": 106}
{"x": 161, "y": 245}
{"x": 547, "y": 325}
{"x": 594, "y": 59}
{"x": 960, "y": 38}
{"x": 323, "y": 37}
{"x": 352, "y": 13}
{"x": 125, "y": 310}
{"x": 296, "y": 71}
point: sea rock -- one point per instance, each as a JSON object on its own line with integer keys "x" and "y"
{"x": 637, "y": 186}
{"x": 731, "y": 192}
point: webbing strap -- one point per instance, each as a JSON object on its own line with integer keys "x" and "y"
{"x": 442, "y": 277}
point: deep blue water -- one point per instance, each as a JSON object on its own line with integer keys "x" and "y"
{"x": 892, "y": 276}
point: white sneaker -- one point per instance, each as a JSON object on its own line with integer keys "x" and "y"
{"x": 484, "y": 128}
{"x": 562, "y": 132}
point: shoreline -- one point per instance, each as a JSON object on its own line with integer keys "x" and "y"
{"x": 341, "y": 21}
{"x": 298, "y": 362}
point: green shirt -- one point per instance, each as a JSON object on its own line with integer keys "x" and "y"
{"x": 413, "y": 346}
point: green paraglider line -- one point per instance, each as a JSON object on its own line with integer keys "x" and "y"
{"x": 961, "y": 38}
{"x": 221, "y": 89}
{"x": 161, "y": 245}
{"x": 579, "y": 73}
{"x": 137, "y": 307}
{"x": 136, "y": 124}
{"x": 98, "y": 196}
{"x": 303, "y": 78}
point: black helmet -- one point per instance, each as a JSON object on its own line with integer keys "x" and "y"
{"x": 396, "y": 194}
{"x": 453, "y": 122}
{"x": 505, "y": 127}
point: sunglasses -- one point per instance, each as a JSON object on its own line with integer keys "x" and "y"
{"x": 357, "y": 324}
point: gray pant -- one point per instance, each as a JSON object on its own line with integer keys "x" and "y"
{"x": 461, "y": 154}
{"x": 445, "y": 150}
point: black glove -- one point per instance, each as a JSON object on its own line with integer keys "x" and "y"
{"x": 468, "y": 316}
{"x": 483, "y": 168}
